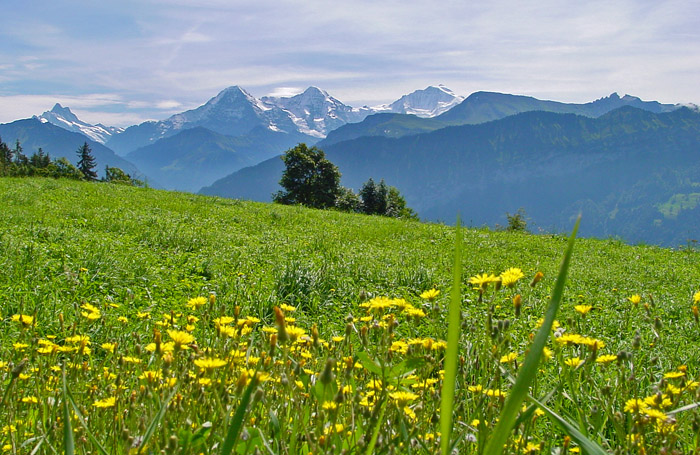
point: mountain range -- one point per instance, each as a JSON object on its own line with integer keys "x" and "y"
{"x": 626, "y": 163}
{"x": 35, "y": 133}
{"x": 632, "y": 173}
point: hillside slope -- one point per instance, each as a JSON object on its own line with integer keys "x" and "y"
{"x": 631, "y": 172}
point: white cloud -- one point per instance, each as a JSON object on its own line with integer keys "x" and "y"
{"x": 285, "y": 92}
{"x": 166, "y": 55}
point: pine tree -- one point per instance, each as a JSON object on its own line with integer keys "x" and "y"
{"x": 5, "y": 159}
{"x": 87, "y": 162}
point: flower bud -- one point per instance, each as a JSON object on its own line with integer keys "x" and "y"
{"x": 536, "y": 279}
{"x": 517, "y": 303}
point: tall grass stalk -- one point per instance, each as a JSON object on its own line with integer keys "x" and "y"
{"x": 236, "y": 424}
{"x": 528, "y": 371}
{"x": 451, "y": 354}
{"x": 68, "y": 442}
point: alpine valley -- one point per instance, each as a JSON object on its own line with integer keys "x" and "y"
{"x": 630, "y": 167}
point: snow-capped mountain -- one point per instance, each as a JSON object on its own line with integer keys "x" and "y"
{"x": 233, "y": 112}
{"x": 430, "y": 102}
{"x": 315, "y": 112}
{"x": 64, "y": 118}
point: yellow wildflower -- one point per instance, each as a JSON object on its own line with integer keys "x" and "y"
{"x": 635, "y": 405}
{"x": 573, "y": 362}
{"x": 287, "y": 308}
{"x": 509, "y": 357}
{"x": 511, "y": 276}
{"x": 430, "y": 294}
{"x": 180, "y": 339}
{"x": 483, "y": 280}
{"x": 106, "y": 403}
{"x": 209, "y": 364}
{"x": 583, "y": 309}
{"x": 674, "y": 375}
{"x": 402, "y": 398}
{"x": 607, "y": 358}
{"x": 24, "y": 319}
{"x": 330, "y": 405}
{"x": 196, "y": 302}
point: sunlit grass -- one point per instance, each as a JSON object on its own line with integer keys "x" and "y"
{"x": 197, "y": 325}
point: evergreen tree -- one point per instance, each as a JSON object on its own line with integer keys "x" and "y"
{"x": 348, "y": 201}
{"x": 384, "y": 200}
{"x": 308, "y": 179}
{"x": 87, "y": 163}
{"x": 20, "y": 157}
{"x": 5, "y": 158}
{"x": 39, "y": 159}
{"x": 368, "y": 194}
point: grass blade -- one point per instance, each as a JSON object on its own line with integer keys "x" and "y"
{"x": 78, "y": 414}
{"x": 528, "y": 371}
{"x": 68, "y": 442}
{"x": 377, "y": 426}
{"x": 156, "y": 421}
{"x": 589, "y": 447}
{"x": 451, "y": 354}
{"x": 236, "y": 424}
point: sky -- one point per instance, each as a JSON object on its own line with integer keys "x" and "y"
{"x": 123, "y": 62}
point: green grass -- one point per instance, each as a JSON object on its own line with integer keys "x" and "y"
{"x": 129, "y": 250}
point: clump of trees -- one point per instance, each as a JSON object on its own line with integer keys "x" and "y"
{"x": 15, "y": 163}
{"x": 310, "y": 179}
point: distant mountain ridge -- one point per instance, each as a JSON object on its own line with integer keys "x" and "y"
{"x": 64, "y": 118}
{"x": 480, "y": 107}
{"x": 633, "y": 173}
{"x": 59, "y": 142}
{"x": 312, "y": 113}
{"x": 426, "y": 103}
{"x": 196, "y": 157}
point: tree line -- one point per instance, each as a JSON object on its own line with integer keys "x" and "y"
{"x": 15, "y": 163}
{"x": 310, "y": 179}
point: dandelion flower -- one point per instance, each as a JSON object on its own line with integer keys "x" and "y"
{"x": 24, "y": 319}
{"x": 696, "y": 297}
{"x": 635, "y": 405}
{"x": 106, "y": 403}
{"x": 511, "y": 276}
{"x": 483, "y": 280}
{"x": 509, "y": 357}
{"x": 295, "y": 332}
{"x": 674, "y": 375}
{"x": 430, "y": 294}
{"x": 209, "y": 364}
{"x": 607, "y": 358}
{"x": 180, "y": 339}
{"x": 573, "y": 362}
{"x": 583, "y": 309}
{"x": 151, "y": 375}
{"x": 330, "y": 405}
{"x": 196, "y": 302}
{"x": 635, "y": 299}
{"x": 287, "y": 308}
{"x": 402, "y": 398}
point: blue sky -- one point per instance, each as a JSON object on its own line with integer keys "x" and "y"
{"x": 123, "y": 62}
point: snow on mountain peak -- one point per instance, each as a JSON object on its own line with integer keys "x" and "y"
{"x": 66, "y": 119}
{"x": 429, "y": 102}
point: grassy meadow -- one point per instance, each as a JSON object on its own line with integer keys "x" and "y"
{"x": 142, "y": 321}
